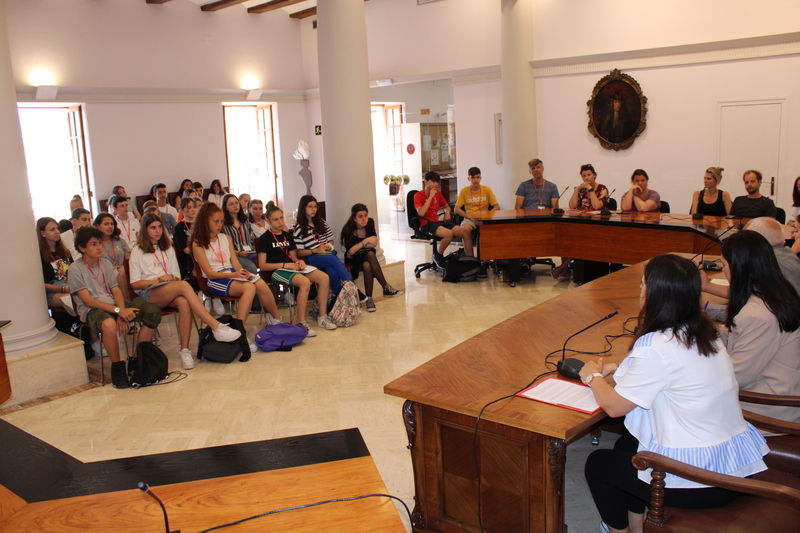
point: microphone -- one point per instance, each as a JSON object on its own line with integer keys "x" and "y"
{"x": 569, "y": 366}
{"x": 144, "y": 487}
{"x": 558, "y": 210}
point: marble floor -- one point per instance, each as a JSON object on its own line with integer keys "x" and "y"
{"x": 330, "y": 382}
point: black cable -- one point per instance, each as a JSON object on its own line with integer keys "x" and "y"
{"x": 306, "y": 506}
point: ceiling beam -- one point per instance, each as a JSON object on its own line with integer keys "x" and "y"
{"x": 220, "y": 4}
{"x": 157, "y": 1}
{"x": 310, "y": 12}
{"x": 272, "y": 6}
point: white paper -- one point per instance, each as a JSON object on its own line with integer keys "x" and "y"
{"x": 565, "y": 393}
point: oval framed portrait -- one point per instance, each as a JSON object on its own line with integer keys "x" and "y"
{"x": 617, "y": 111}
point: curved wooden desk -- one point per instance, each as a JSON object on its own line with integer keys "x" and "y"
{"x": 522, "y": 443}
{"x": 626, "y": 237}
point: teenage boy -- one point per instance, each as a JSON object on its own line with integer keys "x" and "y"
{"x": 127, "y": 223}
{"x": 99, "y": 300}
{"x": 475, "y": 198}
{"x": 159, "y": 192}
{"x": 427, "y": 203}
{"x": 80, "y": 217}
{"x": 119, "y": 190}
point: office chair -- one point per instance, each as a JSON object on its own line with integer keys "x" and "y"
{"x": 414, "y": 224}
{"x": 664, "y": 207}
{"x": 780, "y": 215}
{"x": 612, "y": 204}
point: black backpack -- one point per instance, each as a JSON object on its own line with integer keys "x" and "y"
{"x": 211, "y": 349}
{"x": 460, "y": 268}
{"x": 151, "y": 366}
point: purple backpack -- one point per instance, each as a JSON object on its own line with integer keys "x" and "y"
{"x": 280, "y": 337}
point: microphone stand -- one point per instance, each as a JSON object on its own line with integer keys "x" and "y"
{"x": 144, "y": 487}
{"x": 569, "y": 366}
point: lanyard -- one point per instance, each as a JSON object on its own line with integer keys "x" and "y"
{"x": 286, "y": 241}
{"x": 162, "y": 261}
{"x": 127, "y": 230}
{"x": 240, "y": 231}
{"x": 540, "y": 196}
{"x": 95, "y": 277}
{"x": 220, "y": 256}
{"x": 111, "y": 255}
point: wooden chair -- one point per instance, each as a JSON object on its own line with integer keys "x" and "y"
{"x": 770, "y": 500}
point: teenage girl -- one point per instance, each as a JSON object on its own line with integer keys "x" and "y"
{"x": 360, "y": 240}
{"x": 114, "y": 249}
{"x": 277, "y": 255}
{"x": 55, "y": 261}
{"x": 314, "y": 239}
{"x": 152, "y": 262}
{"x": 238, "y": 229}
{"x": 185, "y": 186}
{"x": 258, "y": 222}
{"x": 216, "y": 193}
{"x": 214, "y": 253}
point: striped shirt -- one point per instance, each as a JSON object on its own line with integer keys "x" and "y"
{"x": 240, "y": 236}
{"x": 311, "y": 239}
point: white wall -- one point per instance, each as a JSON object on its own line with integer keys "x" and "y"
{"x": 435, "y": 95}
{"x": 138, "y": 145}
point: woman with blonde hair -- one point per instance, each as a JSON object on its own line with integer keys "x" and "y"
{"x": 711, "y": 201}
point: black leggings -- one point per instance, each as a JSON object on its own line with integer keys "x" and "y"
{"x": 371, "y": 269}
{"x": 617, "y": 489}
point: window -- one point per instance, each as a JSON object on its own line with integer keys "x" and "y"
{"x": 56, "y": 158}
{"x": 250, "y": 148}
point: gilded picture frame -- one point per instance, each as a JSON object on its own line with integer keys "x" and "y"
{"x": 617, "y": 111}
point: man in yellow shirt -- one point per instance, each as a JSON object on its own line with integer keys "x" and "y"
{"x": 474, "y": 198}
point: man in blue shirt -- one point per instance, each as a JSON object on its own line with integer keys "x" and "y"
{"x": 536, "y": 193}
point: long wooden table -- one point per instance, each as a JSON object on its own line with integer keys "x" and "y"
{"x": 626, "y": 237}
{"x": 521, "y": 446}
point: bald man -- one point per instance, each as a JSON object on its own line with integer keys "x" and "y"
{"x": 772, "y": 230}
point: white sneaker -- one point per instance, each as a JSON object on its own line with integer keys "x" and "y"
{"x": 206, "y": 302}
{"x": 187, "y": 361}
{"x": 325, "y": 322}
{"x": 225, "y": 333}
{"x": 218, "y": 307}
{"x": 253, "y": 347}
{"x": 271, "y": 321}
{"x": 603, "y": 527}
{"x": 304, "y": 325}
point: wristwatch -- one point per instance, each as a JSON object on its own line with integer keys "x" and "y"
{"x": 117, "y": 310}
{"x": 590, "y": 377}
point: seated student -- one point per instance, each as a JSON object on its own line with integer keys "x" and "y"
{"x": 244, "y": 202}
{"x": 238, "y": 229}
{"x": 678, "y": 393}
{"x": 100, "y": 303}
{"x": 762, "y": 329}
{"x": 588, "y": 196}
{"x": 64, "y": 225}
{"x": 427, "y": 202}
{"x": 159, "y": 192}
{"x": 115, "y": 249}
{"x": 119, "y": 190}
{"x": 755, "y": 204}
{"x": 75, "y": 203}
{"x": 255, "y": 215}
{"x": 55, "y": 261}
{"x": 216, "y": 258}
{"x": 360, "y": 240}
{"x": 277, "y": 258}
{"x": 216, "y": 194}
{"x": 711, "y": 201}
{"x": 789, "y": 263}
{"x": 80, "y": 217}
{"x": 198, "y": 188}
{"x": 155, "y": 276}
{"x": 169, "y": 222}
{"x": 186, "y": 185}
{"x": 314, "y": 240}
{"x": 536, "y": 193}
{"x": 128, "y": 225}
{"x": 639, "y": 197}
{"x": 181, "y": 238}
{"x": 475, "y": 198}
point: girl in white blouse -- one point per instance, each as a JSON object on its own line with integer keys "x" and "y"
{"x": 156, "y": 277}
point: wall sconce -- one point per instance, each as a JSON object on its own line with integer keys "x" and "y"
{"x": 46, "y": 92}
{"x": 254, "y": 94}
{"x": 45, "y": 84}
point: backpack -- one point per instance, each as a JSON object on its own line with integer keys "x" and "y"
{"x": 461, "y": 269}
{"x": 151, "y": 366}
{"x": 211, "y": 349}
{"x": 347, "y": 307}
{"x": 280, "y": 337}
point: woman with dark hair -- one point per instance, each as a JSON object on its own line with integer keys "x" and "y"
{"x": 55, "y": 261}
{"x": 314, "y": 240}
{"x": 218, "y": 262}
{"x": 115, "y": 249}
{"x": 360, "y": 240}
{"x": 185, "y": 186}
{"x": 792, "y": 221}
{"x": 678, "y": 393}
{"x": 155, "y": 276}
{"x": 587, "y": 196}
{"x": 762, "y": 329}
{"x": 216, "y": 193}
{"x": 238, "y": 229}
{"x": 639, "y": 197}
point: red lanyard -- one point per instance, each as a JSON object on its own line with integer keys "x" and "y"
{"x": 286, "y": 241}
{"x": 240, "y": 231}
{"x": 163, "y": 261}
{"x": 95, "y": 277}
{"x": 127, "y": 230}
{"x": 220, "y": 255}
{"x": 111, "y": 254}
{"x": 541, "y": 200}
